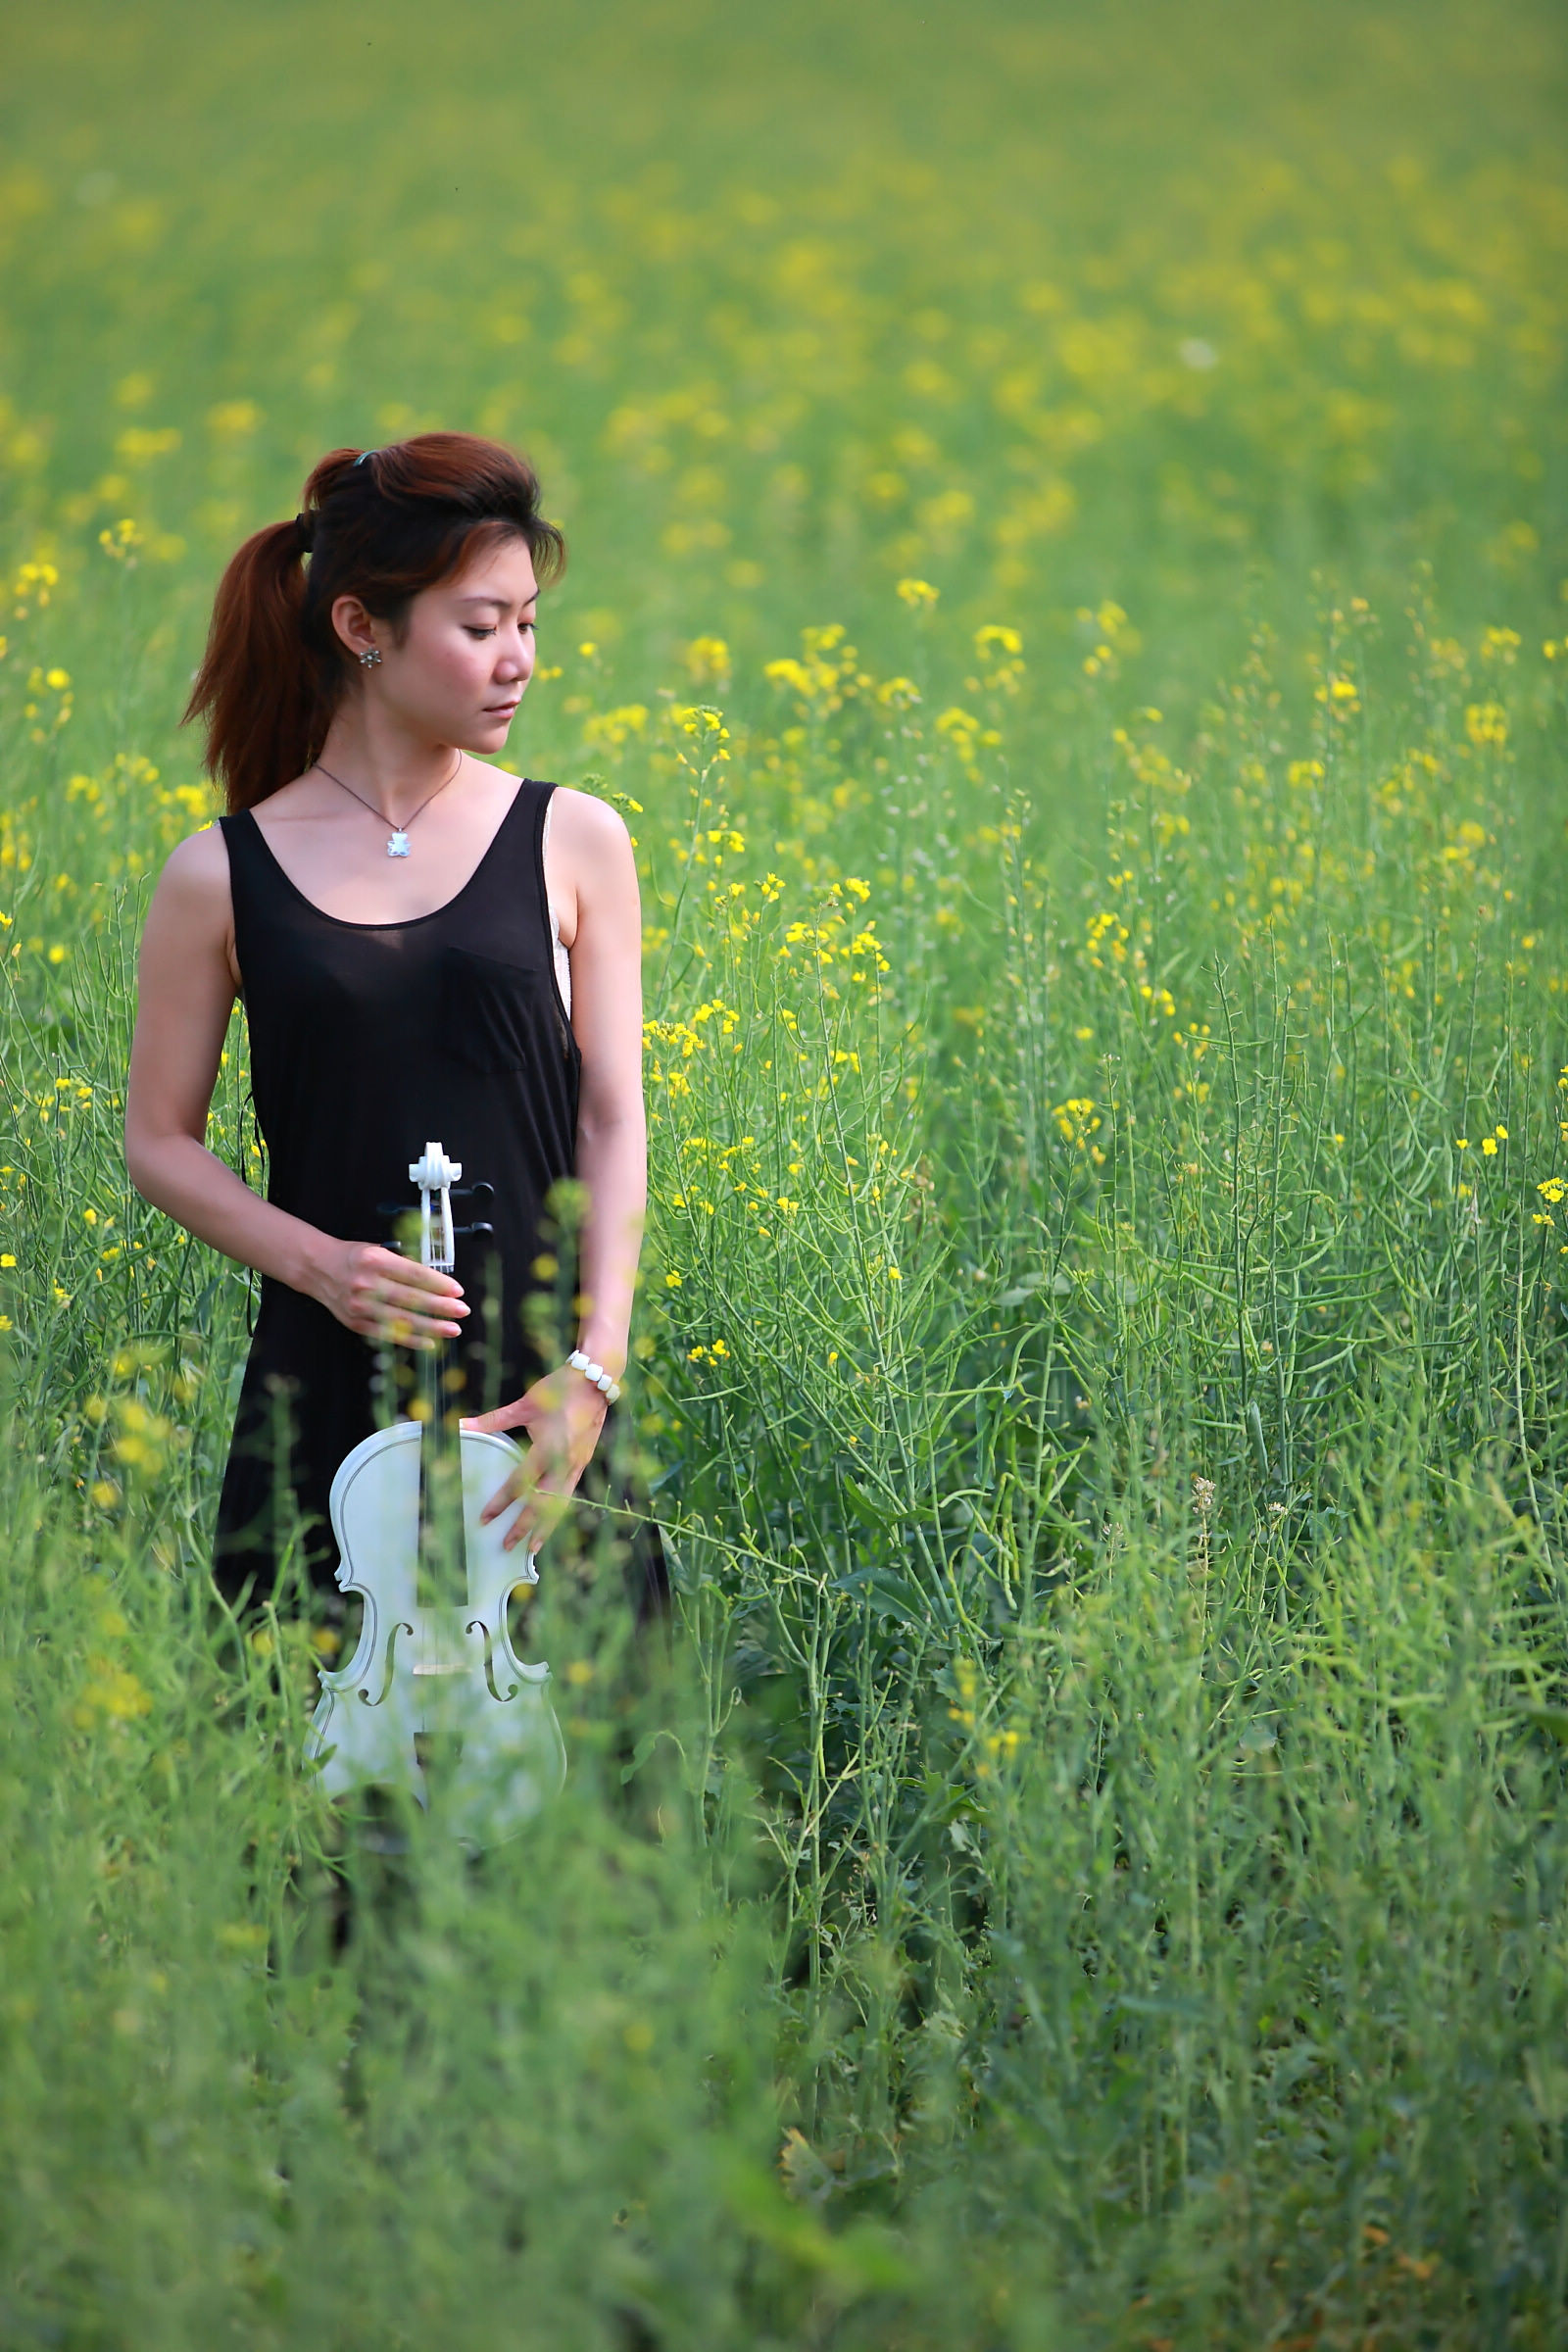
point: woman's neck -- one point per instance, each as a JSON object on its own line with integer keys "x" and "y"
{"x": 385, "y": 764}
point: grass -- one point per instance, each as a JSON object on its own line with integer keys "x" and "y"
{"x": 1067, "y": 535}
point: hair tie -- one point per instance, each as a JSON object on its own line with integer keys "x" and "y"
{"x": 305, "y": 526}
{"x": 364, "y": 454}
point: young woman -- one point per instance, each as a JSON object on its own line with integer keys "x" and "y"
{"x": 424, "y": 947}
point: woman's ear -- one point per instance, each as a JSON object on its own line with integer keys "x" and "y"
{"x": 354, "y": 626}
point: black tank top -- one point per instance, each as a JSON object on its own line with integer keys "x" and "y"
{"x": 367, "y": 1041}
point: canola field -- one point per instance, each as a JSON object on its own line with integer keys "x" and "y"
{"x": 1069, "y": 585}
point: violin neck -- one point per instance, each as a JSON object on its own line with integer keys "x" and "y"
{"x": 441, "y": 1573}
{"x": 442, "y": 1568}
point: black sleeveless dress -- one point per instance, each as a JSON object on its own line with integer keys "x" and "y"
{"x": 367, "y": 1041}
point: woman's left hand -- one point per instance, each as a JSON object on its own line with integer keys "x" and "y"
{"x": 564, "y": 1415}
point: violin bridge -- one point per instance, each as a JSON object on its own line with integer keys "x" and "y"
{"x": 446, "y": 1646}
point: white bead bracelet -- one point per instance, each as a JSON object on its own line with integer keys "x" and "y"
{"x": 608, "y": 1387}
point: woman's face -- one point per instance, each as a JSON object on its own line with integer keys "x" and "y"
{"x": 465, "y": 654}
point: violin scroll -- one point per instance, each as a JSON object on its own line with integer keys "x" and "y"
{"x": 436, "y": 1174}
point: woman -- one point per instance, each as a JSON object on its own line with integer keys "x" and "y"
{"x": 424, "y": 947}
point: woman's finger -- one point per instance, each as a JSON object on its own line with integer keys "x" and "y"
{"x": 375, "y": 1264}
{"x": 543, "y": 1512}
{"x": 391, "y": 1304}
{"x": 517, "y": 1415}
{"x": 428, "y": 1279}
{"x": 540, "y": 1500}
{"x": 546, "y": 1484}
{"x": 389, "y": 1283}
{"x": 408, "y": 1299}
{"x": 387, "y": 1321}
{"x": 517, "y": 1488}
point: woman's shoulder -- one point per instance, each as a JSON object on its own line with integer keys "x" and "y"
{"x": 582, "y": 818}
{"x": 195, "y": 880}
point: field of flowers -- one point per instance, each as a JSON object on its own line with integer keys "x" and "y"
{"x": 1067, "y": 518}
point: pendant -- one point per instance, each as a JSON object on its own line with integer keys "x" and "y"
{"x": 398, "y": 844}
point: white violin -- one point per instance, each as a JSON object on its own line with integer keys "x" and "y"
{"x": 435, "y": 1673}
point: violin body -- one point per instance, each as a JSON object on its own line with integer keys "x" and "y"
{"x": 434, "y": 1671}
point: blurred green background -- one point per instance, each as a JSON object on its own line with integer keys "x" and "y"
{"x": 1053, "y": 304}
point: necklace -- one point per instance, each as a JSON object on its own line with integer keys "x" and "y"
{"x": 397, "y": 839}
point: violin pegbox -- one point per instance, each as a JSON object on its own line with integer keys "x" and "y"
{"x": 436, "y": 1173}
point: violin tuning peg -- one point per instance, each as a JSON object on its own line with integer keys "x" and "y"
{"x": 396, "y": 1208}
{"x": 470, "y": 1231}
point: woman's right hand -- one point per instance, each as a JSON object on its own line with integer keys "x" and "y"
{"x": 381, "y": 1295}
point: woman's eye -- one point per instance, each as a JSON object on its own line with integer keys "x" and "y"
{"x": 481, "y": 632}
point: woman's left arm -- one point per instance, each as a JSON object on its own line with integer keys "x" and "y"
{"x": 607, "y": 1016}
{"x": 563, "y": 1413}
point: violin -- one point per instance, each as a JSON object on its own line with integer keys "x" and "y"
{"x": 434, "y": 1685}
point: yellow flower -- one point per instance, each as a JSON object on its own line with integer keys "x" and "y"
{"x": 614, "y": 728}
{"x": 114, "y": 1692}
{"x": 1489, "y": 1144}
{"x": 707, "y": 662}
{"x": 918, "y": 595}
{"x": 232, "y": 419}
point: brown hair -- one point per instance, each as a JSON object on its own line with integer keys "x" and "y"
{"x": 380, "y": 525}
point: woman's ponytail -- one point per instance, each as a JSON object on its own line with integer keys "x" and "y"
{"x": 380, "y": 525}
{"x": 260, "y": 687}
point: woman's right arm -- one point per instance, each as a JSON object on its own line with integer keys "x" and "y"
{"x": 188, "y": 982}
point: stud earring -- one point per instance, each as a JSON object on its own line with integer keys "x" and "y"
{"x": 370, "y": 659}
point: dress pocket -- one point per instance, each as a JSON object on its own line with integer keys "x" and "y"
{"x": 495, "y": 1016}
